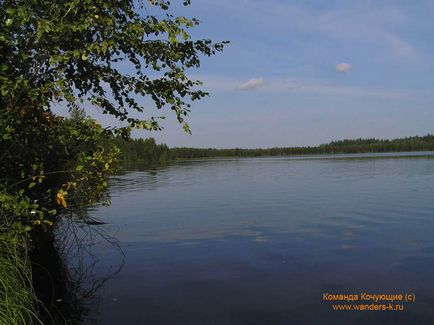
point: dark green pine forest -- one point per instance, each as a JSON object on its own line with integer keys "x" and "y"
{"x": 149, "y": 152}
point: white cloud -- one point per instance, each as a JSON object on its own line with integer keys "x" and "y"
{"x": 343, "y": 67}
{"x": 305, "y": 86}
{"x": 252, "y": 84}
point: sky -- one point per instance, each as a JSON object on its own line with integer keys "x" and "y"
{"x": 300, "y": 73}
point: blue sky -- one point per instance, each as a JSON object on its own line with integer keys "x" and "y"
{"x": 308, "y": 72}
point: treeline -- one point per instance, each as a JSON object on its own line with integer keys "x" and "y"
{"x": 416, "y": 143}
{"x": 142, "y": 151}
{"x": 149, "y": 152}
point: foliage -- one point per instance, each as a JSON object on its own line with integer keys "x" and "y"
{"x": 50, "y": 165}
{"x": 111, "y": 53}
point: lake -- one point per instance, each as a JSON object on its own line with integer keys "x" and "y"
{"x": 261, "y": 240}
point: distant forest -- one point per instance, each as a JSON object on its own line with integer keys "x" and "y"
{"x": 149, "y": 152}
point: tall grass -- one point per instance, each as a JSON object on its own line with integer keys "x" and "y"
{"x": 18, "y": 302}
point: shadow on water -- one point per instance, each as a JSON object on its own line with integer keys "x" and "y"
{"x": 66, "y": 272}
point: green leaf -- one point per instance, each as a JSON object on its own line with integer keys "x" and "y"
{"x": 79, "y": 167}
{"x": 32, "y": 184}
{"x": 172, "y": 39}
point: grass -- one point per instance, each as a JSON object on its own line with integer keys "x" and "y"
{"x": 18, "y": 302}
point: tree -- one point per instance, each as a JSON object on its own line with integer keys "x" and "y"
{"x": 77, "y": 114}
{"x": 72, "y": 51}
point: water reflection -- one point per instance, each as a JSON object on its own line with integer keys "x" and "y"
{"x": 66, "y": 270}
{"x": 257, "y": 241}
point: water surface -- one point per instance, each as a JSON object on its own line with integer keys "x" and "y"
{"x": 259, "y": 240}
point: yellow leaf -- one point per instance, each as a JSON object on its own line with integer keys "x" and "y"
{"x": 60, "y": 199}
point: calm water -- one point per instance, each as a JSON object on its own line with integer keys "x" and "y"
{"x": 258, "y": 241}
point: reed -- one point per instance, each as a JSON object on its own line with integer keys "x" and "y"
{"x": 18, "y": 302}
